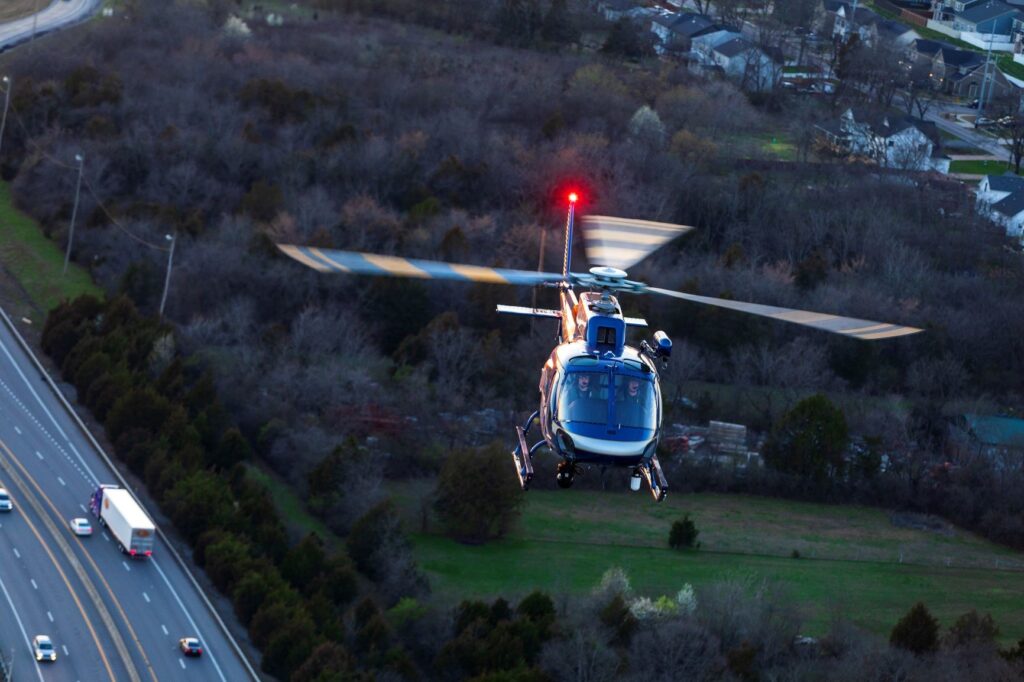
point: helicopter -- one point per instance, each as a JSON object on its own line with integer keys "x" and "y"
{"x": 600, "y": 399}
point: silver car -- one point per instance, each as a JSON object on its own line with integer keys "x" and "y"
{"x": 43, "y": 647}
{"x": 5, "y": 501}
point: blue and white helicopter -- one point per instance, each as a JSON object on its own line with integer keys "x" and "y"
{"x": 600, "y": 401}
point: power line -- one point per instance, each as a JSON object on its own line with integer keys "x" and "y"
{"x": 88, "y": 185}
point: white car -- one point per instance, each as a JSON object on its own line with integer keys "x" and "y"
{"x": 81, "y": 526}
{"x": 43, "y": 647}
{"x": 5, "y": 501}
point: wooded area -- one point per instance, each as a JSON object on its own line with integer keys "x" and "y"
{"x": 367, "y": 134}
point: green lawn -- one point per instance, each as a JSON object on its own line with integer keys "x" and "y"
{"x": 35, "y": 261}
{"x": 297, "y": 519}
{"x": 851, "y": 556}
{"x": 979, "y": 167}
{"x": 1010, "y": 67}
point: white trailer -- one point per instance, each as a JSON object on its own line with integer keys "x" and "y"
{"x": 128, "y": 523}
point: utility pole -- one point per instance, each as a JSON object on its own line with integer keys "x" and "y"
{"x": 986, "y": 84}
{"x": 8, "y": 85}
{"x": 74, "y": 211}
{"x": 167, "y": 279}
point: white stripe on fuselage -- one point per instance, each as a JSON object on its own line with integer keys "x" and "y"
{"x": 601, "y": 446}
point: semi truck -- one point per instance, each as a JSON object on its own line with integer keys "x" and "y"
{"x": 116, "y": 509}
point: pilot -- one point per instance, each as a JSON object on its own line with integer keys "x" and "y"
{"x": 583, "y": 389}
{"x": 632, "y": 407}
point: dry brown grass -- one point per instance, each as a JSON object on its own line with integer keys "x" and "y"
{"x": 15, "y": 9}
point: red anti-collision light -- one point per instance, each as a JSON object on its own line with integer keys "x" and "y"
{"x": 573, "y": 197}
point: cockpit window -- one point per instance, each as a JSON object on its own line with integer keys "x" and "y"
{"x": 583, "y": 397}
{"x": 635, "y": 404}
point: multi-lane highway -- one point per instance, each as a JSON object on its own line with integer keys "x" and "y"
{"x": 57, "y": 14}
{"x": 110, "y": 618}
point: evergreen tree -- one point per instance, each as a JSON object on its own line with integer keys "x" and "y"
{"x": 558, "y": 26}
{"x": 810, "y": 440}
{"x": 628, "y": 40}
{"x": 519, "y": 21}
{"x": 917, "y": 632}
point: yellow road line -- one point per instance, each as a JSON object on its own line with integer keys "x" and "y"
{"x": 35, "y": 505}
{"x": 99, "y": 573}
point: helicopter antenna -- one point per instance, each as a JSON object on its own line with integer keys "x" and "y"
{"x": 573, "y": 197}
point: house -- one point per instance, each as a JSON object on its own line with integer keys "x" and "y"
{"x": 677, "y": 32}
{"x": 741, "y": 60}
{"x": 889, "y": 140}
{"x": 991, "y": 16}
{"x": 613, "y": 10}
{"x": 955, "y": 72}
{"x": 1001, "y": 199}
{"x": 999, "y": 439}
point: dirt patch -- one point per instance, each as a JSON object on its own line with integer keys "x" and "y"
{"x": 15, "y": 9}
{"x": 926, "y": 522}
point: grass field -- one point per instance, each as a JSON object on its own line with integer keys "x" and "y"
{"x": 979, "y": 167}
{"x": 35, "y": 261}
{"x": 15, "y": 9}
{"x": 850, "y": 556}
{"x": 297, "y": 520}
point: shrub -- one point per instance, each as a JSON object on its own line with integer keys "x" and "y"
{"x": 477, "y": 497}
{"x": 683, "y": 534}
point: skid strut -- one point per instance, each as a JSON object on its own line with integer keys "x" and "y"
{"x": 652, "y": 473}
{"x": 522, "y": 455}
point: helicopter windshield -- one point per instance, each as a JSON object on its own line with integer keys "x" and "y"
{"x": 635, "y": 404}
{"x": 583, "y": 397}
{"x": 599, "y": 396}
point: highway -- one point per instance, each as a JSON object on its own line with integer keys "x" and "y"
{"x": 110, "y": 617}
{"x": 58, "y": 14}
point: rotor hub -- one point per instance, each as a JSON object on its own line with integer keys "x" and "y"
{"x": 608, "y": 274}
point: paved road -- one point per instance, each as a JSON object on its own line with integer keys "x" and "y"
{"x": 58, "y": 13}
{"x": 111, "y": 618}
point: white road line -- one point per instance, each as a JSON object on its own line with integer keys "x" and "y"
{"x": 17, "y": 430}
{"x": 126, "y": 566}
{"x": 50, "y": 616}
{"x": 195, "y": 628}
{"x": 61, "y": 481}
{"x": 16, "y": 552}
{"x": 17, "y": 368}
{"x": 146, "y": 597}
{"x": 82, "y": 507}
{"x": 64, "y": 647}
{"x": 181, "y": 663}
{"x": 104, "y": 536}
{"x": 39, "y": 454}
{"x": 164, "y": 628}
{"x": 21, "y": 626}
{"x": 34, "y": 585}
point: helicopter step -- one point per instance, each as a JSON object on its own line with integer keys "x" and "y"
{"x": 655, "y": 477}
{"x": 523, "y": 457}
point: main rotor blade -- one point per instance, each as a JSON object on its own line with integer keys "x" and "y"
{"x": 351, "y": 262}
{"x": 621, "y": 242}
{"x": 866, "y": 330}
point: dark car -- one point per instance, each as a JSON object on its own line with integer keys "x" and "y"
{"x": 190, "y": 646}
{"x": 973, "y": 104}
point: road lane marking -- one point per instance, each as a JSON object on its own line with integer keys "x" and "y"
{"x": 53, "y": 419}
{"x": 34, "y": 586}
{"x": 126, "y": 566}
{"x": 39, "y": 454}
{"x": 21, "y": 626}
{"x": 16, "y": 552}
{"x": 18, "y": 430}
{"x": 61, "y": 481}
{"x": 104, "y": 536}
{"x": 50, "y": 616}
{"x": 84, "y": 510}
{"x": 181, "y": 663}
{"x": 10, "y": 463}
{"x": 62, "y": 646}
{"x": 164, "y": 628}
{"x": 146, "y": 597}
{"x": 195, "y": 628}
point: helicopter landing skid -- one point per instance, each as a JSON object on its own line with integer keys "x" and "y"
{"x": 655, "y": 478}
{"x": 523, "y": 457}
